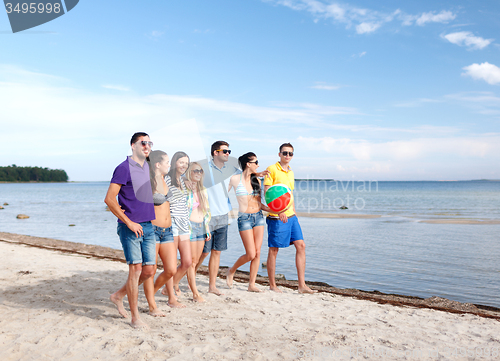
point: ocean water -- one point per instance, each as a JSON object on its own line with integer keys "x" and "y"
{"x": 395, "y": 253}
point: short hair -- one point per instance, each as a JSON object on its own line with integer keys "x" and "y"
{"x": 137, "y": 136}
{"x": 285, "y": 145}
{"x": 217, "y": 145}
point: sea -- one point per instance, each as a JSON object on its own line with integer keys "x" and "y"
{"x": 399, "y": 252}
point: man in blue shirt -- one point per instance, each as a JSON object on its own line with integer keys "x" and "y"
{"x": 217, "y": 172}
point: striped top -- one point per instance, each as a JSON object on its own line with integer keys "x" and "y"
{"x": 178, "y": 203}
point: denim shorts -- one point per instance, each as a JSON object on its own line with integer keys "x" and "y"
{"x": 198, "y": 232}
{"x": 218, "y": 230}
{"x": 248, "y": 221}
{"x": 138, "y": 250}
{"x": 163, "y": 235}
{"x": 178, "y": 228}
{"x": 281, "y": 234}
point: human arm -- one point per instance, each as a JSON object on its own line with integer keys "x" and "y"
{"x": 262, "y": 174}
{"x": 115, "y": 208}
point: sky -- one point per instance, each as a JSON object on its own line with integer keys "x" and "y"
{"x": 364, "y": 90}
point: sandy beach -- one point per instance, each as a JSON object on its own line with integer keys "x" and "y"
{"x": 55, "y": 306}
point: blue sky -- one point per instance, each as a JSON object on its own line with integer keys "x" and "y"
{"x": 365, "y": 90}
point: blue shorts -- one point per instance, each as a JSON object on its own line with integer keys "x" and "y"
{"x": 282, "y": 235}
{"x": 138, "y": 250}
{"x": 163, "y": 235}
{"x": 218, "y": 230}
{"x": 248, "y": 221}
{"x": 197, "y": 231}
{"x": 179, "y": 228}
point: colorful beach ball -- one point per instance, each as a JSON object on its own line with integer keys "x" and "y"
{"x": 278, "y": 197}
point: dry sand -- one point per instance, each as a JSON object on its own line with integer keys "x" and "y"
{"x": 55, "y": 306}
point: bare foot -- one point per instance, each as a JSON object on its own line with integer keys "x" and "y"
{"x": 139, "y": 324}
{"x": 119, "y": 304}
{"x": 215, "y": 291}
{"x": 164, "y": 291}
{"x": 156, "y": 313}
{"x": 198, "y": 298}
{"x": 276, "y": 289}
{"x": 229, "y": 278}
{"x": 253, "y": 288}
{"x": 177, "y": 291}
{"x": 176, "y": 304}
{"x": 306, "y": 290}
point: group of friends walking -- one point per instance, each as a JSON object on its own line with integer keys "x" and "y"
{"x": 167, "y": 205}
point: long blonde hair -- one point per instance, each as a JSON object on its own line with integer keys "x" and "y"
{"x": 199, "y": 187}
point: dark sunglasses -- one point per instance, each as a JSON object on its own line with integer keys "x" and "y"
{"x": 225, "y": 151}
{"x": 255, "y": 161}
{"x": 145, "y": 143}
{"x": 198, "y": 171}
{"x": 287, "y": 154}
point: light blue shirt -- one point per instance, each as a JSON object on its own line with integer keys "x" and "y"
{"x": 216, "y": 181}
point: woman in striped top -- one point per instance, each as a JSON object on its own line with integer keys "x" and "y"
{"x": 179, "y": 213}
{"x": 199, "y": 218}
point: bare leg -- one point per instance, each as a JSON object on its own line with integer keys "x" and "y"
{"x": 200, "y": 261}
{"x": 271, "y": 268}
{"x": 149, "y": 291}
{"x": 196, "y": 250}
{"x": 213, "y": 271}
{"x": 168, "y": 255}
{"x": 258, "y": 235}
{"x": 117, "y": 299}
{"x": 249, "y": 244}
{"x": 300, "y": 263}
{"x": 132, "y": 291}
{"x": 186, "y": 259}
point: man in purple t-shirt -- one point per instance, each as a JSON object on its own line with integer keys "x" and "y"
{"x": 135, "y": 211}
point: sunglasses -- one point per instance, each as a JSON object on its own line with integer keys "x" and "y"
{"x": 145, "y": 143}
{"x": 255, "y": 161}
{"x": 287, "y": 154}
{"x": 197, "y": 171}
{"x": 225, "y": 151}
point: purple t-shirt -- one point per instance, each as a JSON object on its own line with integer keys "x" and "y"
{"x": 135, "y": 196}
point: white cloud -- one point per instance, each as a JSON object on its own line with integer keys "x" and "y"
{"x": 442, "y": 17}
{"x": 360, "y": 55}
{"x": 485, "y": 71}
{"x": 116, "y": 87}
{"x": 324, "y": 86}
{"x": 406, "y": 150}
{"x": 157, "y": 34}
{"x": 417, "y": 102}
{"x": 364, "y": 21}
{"x": 466, "y": 38}
{"x": 366, "y": 27}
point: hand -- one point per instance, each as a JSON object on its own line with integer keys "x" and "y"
{"x": 189, "y": 185}
{"x": 209, "y": 237}
{"x": 262, "y": 174}
{"x": 136, "y": 228}
{"x": 283, "y": 217}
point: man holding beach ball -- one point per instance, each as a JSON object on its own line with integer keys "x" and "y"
{"x": 283, "y": 226}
